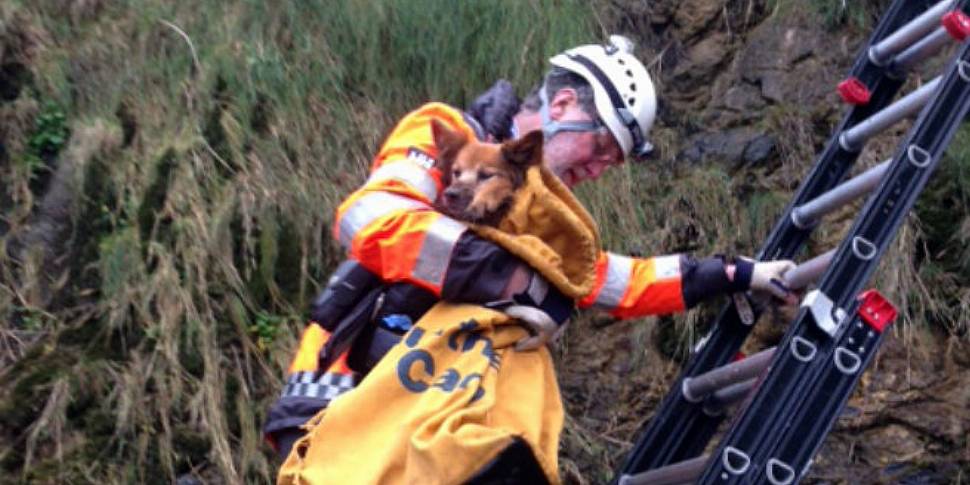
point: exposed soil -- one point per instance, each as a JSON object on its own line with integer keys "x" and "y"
{"x": 909, "y": 419}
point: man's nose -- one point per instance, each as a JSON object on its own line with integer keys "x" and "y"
{"x": 612, "y": 160}
{"x": 598, "y": 167}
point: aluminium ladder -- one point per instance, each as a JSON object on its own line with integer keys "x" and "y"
{"x": 835, "y": 334}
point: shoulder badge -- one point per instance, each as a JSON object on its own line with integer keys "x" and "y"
{"x": 420, "y": 157}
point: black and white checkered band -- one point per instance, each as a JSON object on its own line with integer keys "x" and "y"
{"x": 327, "y": 387}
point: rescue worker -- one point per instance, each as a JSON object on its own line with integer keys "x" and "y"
{"x": 595, "y": 108}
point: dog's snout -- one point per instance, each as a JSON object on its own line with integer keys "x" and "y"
{"x": 455, "y": 199}
{"x": 452, "y": 195}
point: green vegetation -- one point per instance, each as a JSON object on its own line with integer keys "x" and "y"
{"x": 839, "y": 14}
{"x": 209, "y": 144}
{"x": 944, "y": 258}
{"x": 50, "y": 134}
{"x": 265, "y": 329}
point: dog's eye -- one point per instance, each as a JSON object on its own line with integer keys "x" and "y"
{"x": 456, "y": 174}
{"x": 485, "y": 176}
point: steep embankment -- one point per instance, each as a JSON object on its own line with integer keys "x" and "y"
{"x": 750, "y": 88}
{"x": 169, "y": 174}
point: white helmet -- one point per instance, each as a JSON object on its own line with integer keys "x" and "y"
{"x": 622, "y": 89}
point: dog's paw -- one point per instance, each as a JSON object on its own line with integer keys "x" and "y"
{"x": 475, "y": 213}
{"x": 489, "y": 201}
{"x": 488, "y": 213}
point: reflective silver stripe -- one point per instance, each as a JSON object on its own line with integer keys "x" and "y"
{"x": 618, "y": 270}
{"x": 538, "y": 288}
{"x": 666, "y": 267}
{"x": 301, "y": 378}
{"x": 329, "y": 386}
{"x": 368, "y": 209}
{"x": 436, "y": 249}
{"x": 408, "y": 172}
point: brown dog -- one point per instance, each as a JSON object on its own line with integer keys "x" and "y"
{"x": 480, "y": 179}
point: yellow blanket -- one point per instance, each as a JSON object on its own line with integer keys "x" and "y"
{"x": 549, "y": 229}
{"x": 454, "y": 393}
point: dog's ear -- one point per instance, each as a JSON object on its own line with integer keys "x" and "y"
{"x": 447, "y": 140}
{"x": 525, "y": 151}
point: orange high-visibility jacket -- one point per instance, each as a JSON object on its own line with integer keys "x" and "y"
{"x": 390, "y": 226}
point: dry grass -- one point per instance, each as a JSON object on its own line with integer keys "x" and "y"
{"x": 209, "y": 145}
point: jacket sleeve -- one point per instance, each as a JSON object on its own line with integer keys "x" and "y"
{"x": 390, "y": 226}
{"x": 634, "y": 287}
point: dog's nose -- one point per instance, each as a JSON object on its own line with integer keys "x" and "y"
{"x": 452, "y": 196}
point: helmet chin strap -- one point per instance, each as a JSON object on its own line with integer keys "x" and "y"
{"x": 550, "y": 128}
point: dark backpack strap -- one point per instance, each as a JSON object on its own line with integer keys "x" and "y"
{"x": 370, "y": 348}
{"x": 350, "y": 327}
{"x": 348, "y": 284}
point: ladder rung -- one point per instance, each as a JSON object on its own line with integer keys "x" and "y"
{"x": 821, "y": 370}
{"x": 722, "y": 398}
{"x": 854, "y": 138}
{"x": 909, "y": 33}
{"x": 680, "y": 429}
{"x": 684, "y": 472}
{"x": 925, "y": 48}
{"x": 699, "y": 387}
{"x": 809, "y": 213}
{"x": 806, "y": 273}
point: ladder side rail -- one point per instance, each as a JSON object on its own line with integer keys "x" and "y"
{"x": 815, "y": 417}
{"x": 785, "y": 238}
{"x": 735, "y": 455}
{"x": 677, "y": 421}
{"x": 912, "y": 167}
{"x": 797, "y": 278}
{"x": 789, "y": 461}
{"x": 810, "y": 336}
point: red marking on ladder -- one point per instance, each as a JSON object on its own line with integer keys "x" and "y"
{"x": 876, "y": 310}
{"x": 957, "y": 24}
{"x": 854, "y": 92}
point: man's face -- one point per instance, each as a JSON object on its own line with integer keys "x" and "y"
{"x": 578, "y": 156}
